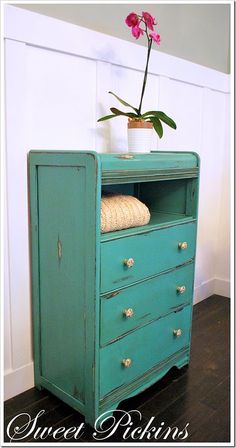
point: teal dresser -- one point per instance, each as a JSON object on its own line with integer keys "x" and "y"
{"x": 111, "y": 312}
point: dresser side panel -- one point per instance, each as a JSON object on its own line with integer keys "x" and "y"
{"x": 62, "y": 276}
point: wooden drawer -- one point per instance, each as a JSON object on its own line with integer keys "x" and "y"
{"x": 152, "y": 252}
{"x": 145, "y": 347}
{"x": 147, "y": 300}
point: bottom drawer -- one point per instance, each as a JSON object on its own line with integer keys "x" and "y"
{"x": 145, "y": 348}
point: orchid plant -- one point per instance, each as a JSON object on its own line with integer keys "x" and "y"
{"x": 142, "y": 25}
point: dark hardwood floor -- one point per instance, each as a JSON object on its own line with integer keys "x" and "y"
{"x": 198, "y": 394}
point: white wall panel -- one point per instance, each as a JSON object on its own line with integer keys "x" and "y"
{"x": 183, "y": 102}
{"x": 61, "y": 92}
{"x": 57, "y": 85}
{"x": 211, "y": 185}
{"x": 222, "y": 241}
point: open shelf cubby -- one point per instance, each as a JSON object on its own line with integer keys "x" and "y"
{"x": 169, "y": 202}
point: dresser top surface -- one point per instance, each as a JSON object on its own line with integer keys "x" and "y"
{"x": 156, "y": 160}
{"x": 147, "y": 161}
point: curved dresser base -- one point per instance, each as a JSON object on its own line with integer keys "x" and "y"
{"x": 111, "y": 401}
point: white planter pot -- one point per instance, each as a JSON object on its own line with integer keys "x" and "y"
{"x": 140, "y": 136}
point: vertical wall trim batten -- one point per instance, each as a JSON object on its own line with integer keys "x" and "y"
{"x": 16, "y": 174}
{"x": 103, "y": 105}
{"x": 7, "y": 295}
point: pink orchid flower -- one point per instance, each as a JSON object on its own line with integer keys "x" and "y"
{"x": 149, "y": 20}
{"x": 156, "y": 37}
{"x": 137, "y": 31}
{"x": 142, "y": 24}
{"x": 132, "y": 19}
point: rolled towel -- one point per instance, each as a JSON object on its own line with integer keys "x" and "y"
{"x": 121, "y": 212}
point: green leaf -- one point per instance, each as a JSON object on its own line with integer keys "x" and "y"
{"x": 149, "y": 113}
{"x": 124, "y": 102}
{"x": 118, "y": 112}
{"x": 163, "y": 117}
{"x": 157, "y": 126}
{"x": 106, "y": 117}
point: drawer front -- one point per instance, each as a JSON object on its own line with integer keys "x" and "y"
{"x": 145, "y": 348}
{"x": 152, "y": 252}
{"x": 137, "y": 305}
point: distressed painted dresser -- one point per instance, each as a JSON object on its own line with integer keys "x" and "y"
{"x": 112, "y": 312}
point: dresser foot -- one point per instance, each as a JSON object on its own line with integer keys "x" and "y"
{"x": 183, "y": 364}
{"x": 109, "y": 412}
{"x": 104, "y": 415}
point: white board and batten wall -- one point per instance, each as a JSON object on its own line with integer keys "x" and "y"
{"x": 57, "y": 80}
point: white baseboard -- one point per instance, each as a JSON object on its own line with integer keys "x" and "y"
{"x": 206, "y": 289}
{"x": 18, "y": 381}
{"x": 222, "y": 287}
{"x": 212, "y": 286}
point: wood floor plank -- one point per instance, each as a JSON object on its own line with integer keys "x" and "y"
{"x": 179, "y": 415}
{"x": 220, "y": 396}
{"x": 15, "y": 404}
{"x": 56, "y": 419}
{"x": 215, "y": 428}
{"x": 48, "y": 404}
{"x": 191, "y": 384}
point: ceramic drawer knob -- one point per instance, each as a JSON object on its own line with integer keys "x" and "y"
{"x": 129, "y": 262}
{"x": 181, "y": 289}
{"x": 126, "y": 362}
{"x": 183, "y": 245}
{"x": 178, "y": 332}
{"x": 128, "y": 312}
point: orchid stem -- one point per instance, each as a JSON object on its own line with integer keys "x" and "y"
{"x": 145, "y": 74}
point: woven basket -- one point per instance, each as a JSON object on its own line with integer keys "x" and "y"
{"x": 121, "y": 212}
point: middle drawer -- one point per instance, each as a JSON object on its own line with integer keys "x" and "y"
{"x": 137, "y": 305}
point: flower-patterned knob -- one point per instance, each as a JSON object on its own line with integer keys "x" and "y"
{"x": 126, "y": 362}
{"x": 129, "y": 262}
{"x": 183, "y": 245}
{"x": 181, "y": 289}
{"x": 128, "y": 312}
{"x": 177, "y": 332}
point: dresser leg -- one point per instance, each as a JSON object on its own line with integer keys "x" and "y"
{"x": 102, "y": 416}
{"x": 184, "y": 362}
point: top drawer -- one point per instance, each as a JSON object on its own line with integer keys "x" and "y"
{"x": 151, "y": 252}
